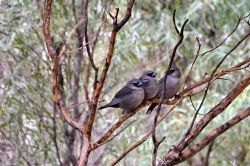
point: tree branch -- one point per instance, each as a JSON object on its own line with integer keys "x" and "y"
{"x": 84, "y": 152}
{"x": 209, "y": 150}
{"x": 185, "y": 93}
{"x": 99, "y": 86}
{"x": 186, "y": 154}
{"x": 196, "y": 57}
{"x": 163, "y": 93}
{"x": 237, "y": 25}
{"x": 123, "y": 118}
{"x": 58, "y": 98}
{"x": 46, "y": 30}
{"x": 173, "y": 155}
{"x": 209, "y": 82}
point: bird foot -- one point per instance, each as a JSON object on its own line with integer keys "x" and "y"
{"x": 177, "y": 96}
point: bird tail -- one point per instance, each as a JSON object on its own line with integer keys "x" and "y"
{"x": 102, "y": 107}
{"x": 151, "y": 108}
{"x": 111, "y": 104}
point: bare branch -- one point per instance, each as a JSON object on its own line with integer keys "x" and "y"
{"x": 209, "y": 150}
{"x": 99, "y": 86}
{"x": 112, "y": 137}
{"x": 196, "y": 56}
{"x": 174, "y": 21}
{"x": 58, "y": 97}
{"x": 85, "y": 23}
{"x": 146, "y": 136}
{"x": 55, "y": 135}
{"x": 209, "y": 82}
{"x": 173, "y": 155}
{"x": 123, "y": 118}
{"x": 128, "y": 15}
{"x": 237, "y": 25}
{"x": 84, "y": 152}
{"x": 213, "y": 134}
{"x": 163, "y": 93}
{"x": 185, "y": 93}
{"x": 46, "y": 30}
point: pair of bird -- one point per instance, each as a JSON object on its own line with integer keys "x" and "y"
{"x": 144, "y": 88}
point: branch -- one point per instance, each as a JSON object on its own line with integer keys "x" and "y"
{"x": 109, "y": 56}
{"x": 185, "y": 93}
{"x": 85, "y": 28}
{"x": 85, "y": 21}
{"x": 186, "y": 154}
{"x": 84, "y": 152}
{"x": 244, "y": 64}
{"x": 58, "y": 98}
{"x": 146, "y": 136}
{"x": 209, "y": 82}
{"x": 173, "y": 155}
{"x": 55, "y": 136}
{"x": 46, "y": 30}
{"x": 123, "y": 118}
{"x": 237, "y": 25}
{"x": 128, "y": 15}
{"x": 196, "y": 56}
{"x": 209, "y": 150}
{"x": 163, "y": 93}
{"x": 99, "y": 86}
{"x": 93, "y": 146}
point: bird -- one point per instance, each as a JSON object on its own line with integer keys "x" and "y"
{"x": 150, "y": 84}
{"x": 172, "y": 85}
{"x": 127, "y": 98}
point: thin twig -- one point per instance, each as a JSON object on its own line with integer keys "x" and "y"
{"x": 186, "y": 154}
{"x": 172, "y": 155}
{"x": 196, "y": 56}
{"x": 185, "y": 93}
{"x": 55, "y": 135}
{"x": 237, "y": 25}
{"x": 125, "y": 117}
{"x": 208, "y": 85}
{"x": 118, "y": 133}
{"x": 80, "y": 103}
{"x": 96, "y": 93}
{"x": 163, "y": 93}
{"x": 46, "y": 30}
{"x": 209, "y": 150}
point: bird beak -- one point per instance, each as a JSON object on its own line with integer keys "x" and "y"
{"x": 154, "y": 74}
{"x": 140, "y": 83}
{"x": 144, "y": 81}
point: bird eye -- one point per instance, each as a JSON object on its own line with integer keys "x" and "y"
{"x": 171, "y": 71}
{"x": 138, "y": 84}
{"x": 153, "y": 74}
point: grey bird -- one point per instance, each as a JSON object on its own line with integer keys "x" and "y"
{"x": 129, "y": 97}
{"x": 172, "y": 86}
{"x": 150, "y": 84}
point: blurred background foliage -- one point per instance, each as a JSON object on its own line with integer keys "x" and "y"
{"x": 28, "y": 121}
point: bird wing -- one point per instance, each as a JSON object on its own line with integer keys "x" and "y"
{"x": 123, "y": 92}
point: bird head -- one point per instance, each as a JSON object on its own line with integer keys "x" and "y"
{"x": 174, "y": 72}
{"x": 148, "y": 75}
{"x": 134, "y": 83}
